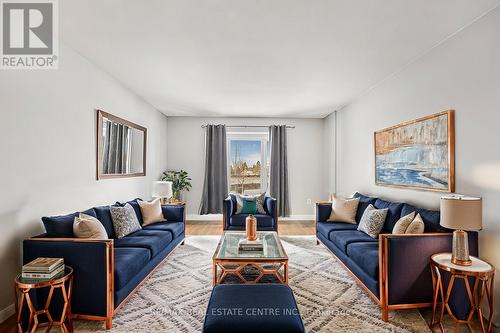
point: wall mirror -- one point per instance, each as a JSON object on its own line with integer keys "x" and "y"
{"x": 121, "y": 147}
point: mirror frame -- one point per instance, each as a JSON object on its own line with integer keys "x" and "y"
{"x": 99, "y": 146}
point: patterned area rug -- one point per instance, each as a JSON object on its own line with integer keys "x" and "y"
{"x": 175, "y": 298}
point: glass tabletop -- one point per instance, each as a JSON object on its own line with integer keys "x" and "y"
{"x": 36, "y": 283}
{"x": 228, "y": 246}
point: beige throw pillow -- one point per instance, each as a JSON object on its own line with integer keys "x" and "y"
{"x": 417, "y": 226}
{"x": 86, "y": 226}
{"x": 151, "y": 211}
{"x": 344, "y": 210}
{"x": 402, "y": 224}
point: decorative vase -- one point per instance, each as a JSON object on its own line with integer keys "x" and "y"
{"x": 251, "y": 227}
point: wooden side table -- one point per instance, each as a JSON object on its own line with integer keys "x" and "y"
{"x": 22, "y": 293}
{"x": 483, "y": 274}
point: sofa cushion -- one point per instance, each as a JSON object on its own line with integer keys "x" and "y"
{"x": 128, "y": 262}
{"x": 393, "y": 213}
{"x": 135, "y": 205}
{"x": 344, "y": 210}
{"x": 325, "y": 228}
{"x": 365, "y": 255}
{"x": 431, "y": 218}
{"x": 151, "y": 211}
{"x": 103, "y": 214}
{"x": 176, "y": 228}
{"x": 125, "y": 221}
{"x": 62, "y": 226}
{"x": 154, "y": 240}
{"x": 364, "y": 202}
{"x": 262, "y": 220}
{"x": 342, "y": 238}
{"x": 372, "y": 221}
{"x": 247, "y": 299}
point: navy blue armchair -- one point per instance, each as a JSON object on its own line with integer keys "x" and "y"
{"x": 265, "y": 222}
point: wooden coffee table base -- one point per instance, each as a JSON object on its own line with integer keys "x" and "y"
{"x": 227, "y": 267}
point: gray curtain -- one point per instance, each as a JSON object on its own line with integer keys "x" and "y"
{"x": 215, "y": 186}
{"x": 278, "y": 182}
{"x": 116, "y": 148}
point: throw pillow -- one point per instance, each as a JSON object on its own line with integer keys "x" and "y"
{"x": 403, "y": 223}
{"x": 344, "y": 210}
{"x": 372, "y": 221}
{"x": 417, "y": 226}
{"x": 124, "y": 219}
{"x": 258, "y": 199}
{"x": 249, "y": 207}
{"x": 151, "y": 211}
{"x": 86, "y": 226}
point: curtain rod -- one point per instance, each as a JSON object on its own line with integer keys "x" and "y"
{"x": 248, "y": 126}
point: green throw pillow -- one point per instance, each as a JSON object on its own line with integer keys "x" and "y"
{"x": 249, "y": 207}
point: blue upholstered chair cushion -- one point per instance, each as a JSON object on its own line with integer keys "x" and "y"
{"x": 176, "y": 228}
{"x": 364, "y": 202}
{"x": 262, "y": 220}
{"x": 246, "y": 300}
{"x": 62, "y": 226}
{"x": 129, "y": 262}
{"x": 343, "y": 238}
{"x": 393, "y": 213}
{"x": 153, "y": 240}
{"x": 365, "y": 255}
{"x": 325, "y": 228}
{"x": 431, "y": 218}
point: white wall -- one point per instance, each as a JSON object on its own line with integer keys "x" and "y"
{"x": 329, "y": 153}
{"x": 186, "y": 150}
{"x": 461, "y": 74}
{"x": 47, "y": 144}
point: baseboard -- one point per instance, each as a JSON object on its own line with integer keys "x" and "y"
{"x": 7, "y": 313}
{"x": 218, "y": 217}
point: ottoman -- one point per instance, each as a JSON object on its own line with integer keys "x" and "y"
{"x": 252, "y": 308}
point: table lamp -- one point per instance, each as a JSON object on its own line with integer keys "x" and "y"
{"x": 162, "y": 190}
{"x": 461, "y": 214}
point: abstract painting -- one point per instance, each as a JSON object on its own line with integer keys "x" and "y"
{"x": 418, "y": 154}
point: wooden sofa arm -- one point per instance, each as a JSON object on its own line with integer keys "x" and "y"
{"x": 93, "y": 264}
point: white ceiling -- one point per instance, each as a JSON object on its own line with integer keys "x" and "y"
{"x": 290, "y": 58}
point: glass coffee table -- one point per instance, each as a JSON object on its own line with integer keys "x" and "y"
{"x": 250, "y": 267}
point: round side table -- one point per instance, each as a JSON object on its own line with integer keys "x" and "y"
{"x": 22, "y": 289}
{"x": 483, "y": 274}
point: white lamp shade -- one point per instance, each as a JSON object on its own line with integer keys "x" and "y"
{"x": 461, "y": 213}
{"x": 162, "y": 189}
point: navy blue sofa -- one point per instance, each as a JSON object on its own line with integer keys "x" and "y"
{"x": 107, "y": 272}
{"x": 393, "y": 269}
{"x": 265, "y": 222}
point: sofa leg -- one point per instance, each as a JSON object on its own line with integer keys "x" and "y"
{"x": 109, "y": 323}
{"x": 385, "y": 313}
{"x": 182, "y": 242}
{"x": 317, "y": 241}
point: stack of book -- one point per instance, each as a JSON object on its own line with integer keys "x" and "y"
{"x": 43, "y": 269}
{"x": 250, "y": 246}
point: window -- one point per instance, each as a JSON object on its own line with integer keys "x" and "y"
{"x": 248, "y": 162}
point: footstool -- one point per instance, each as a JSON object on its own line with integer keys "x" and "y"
{"x": 252, "y": 308}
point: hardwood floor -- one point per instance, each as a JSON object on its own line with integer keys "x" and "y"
{"x": 290, "y": 228}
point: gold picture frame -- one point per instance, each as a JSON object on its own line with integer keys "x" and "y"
{"x": 418, "y": 154}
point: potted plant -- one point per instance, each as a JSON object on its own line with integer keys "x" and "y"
{"x": 180, "y": 182}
